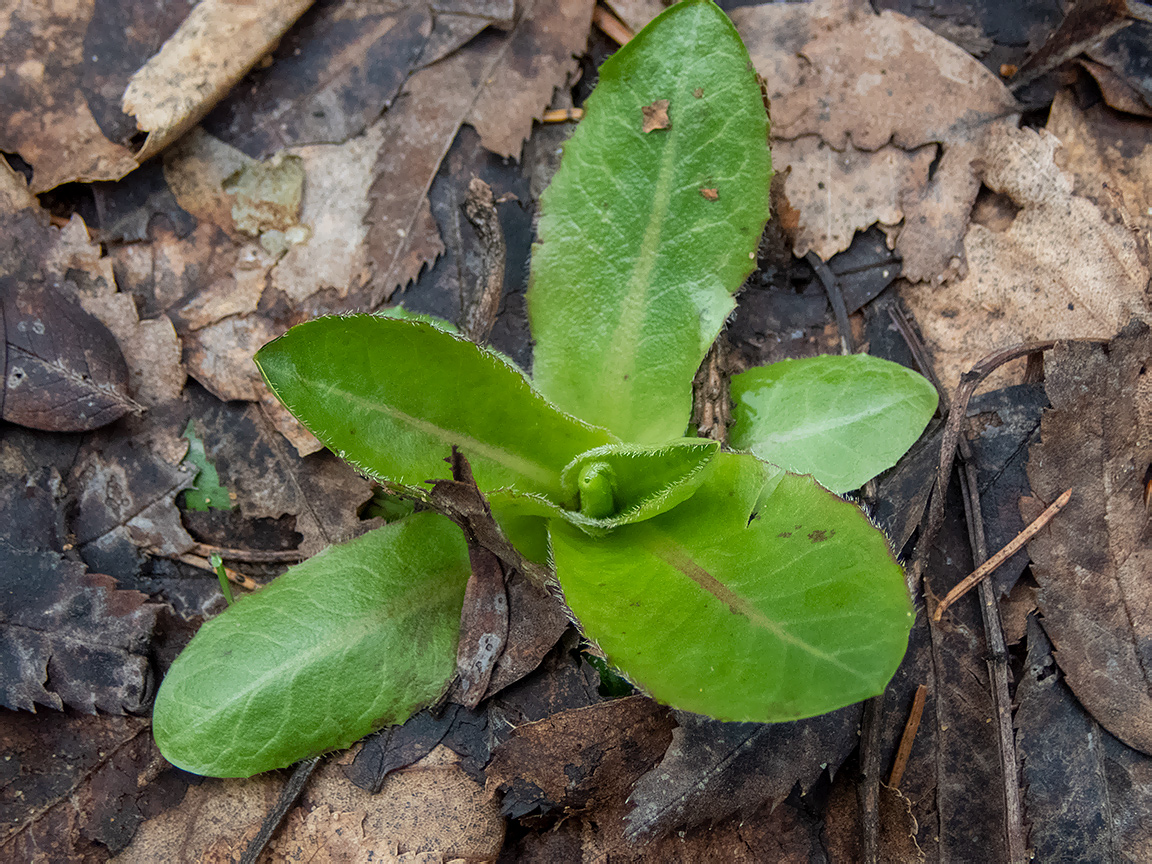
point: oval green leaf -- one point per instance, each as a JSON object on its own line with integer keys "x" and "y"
{"x": 353, "y": 639}
{"x": 392, "y": 396}
{"x": 841, "y": 419}
{"x": 795, "y": 613}
{"x": 644, "y": 236}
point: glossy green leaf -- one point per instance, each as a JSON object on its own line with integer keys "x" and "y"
{"x": 392, "y": 396}
{"x": 841, "y": 419}
{"x": 353, "y": 639}
{"x": 645, "y": 235}
{"x": 642, "y": 482}
{"x": 795, "y": 613}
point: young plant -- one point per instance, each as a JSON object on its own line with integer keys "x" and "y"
{"x": 714, "y": 580}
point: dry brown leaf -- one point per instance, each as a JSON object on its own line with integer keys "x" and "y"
{"x": 838, "y": 71}
{"x": 151, "y": 348}
{"x": 1110, "y": 158}
{"x": 1094, "y": 560}
{"x": 236, "y": 293}
{"x": 219, "y": 356}
{"x": 636, "y": 13}
{"x": 421, "y": 125}
{"x": 840, "y": 193}
{"x": 214, "y": 822}
{"x": 432, "y": 806}
{"x": 335, "y": 208}
{"x": 44, "y": 115}
{"x": 196, "y": 168}
{"x": 1059, "y": 271}
{"x": 216, "y": 45}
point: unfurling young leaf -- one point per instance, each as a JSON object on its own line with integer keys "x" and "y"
{"x": 841, "y": 419}
{"x": 353, "y": 639}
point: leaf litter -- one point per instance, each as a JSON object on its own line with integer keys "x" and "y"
{"x": 193, "y": 292}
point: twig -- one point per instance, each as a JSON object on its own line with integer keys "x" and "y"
{"x": 965, "y": 585}
{"x": 249, "y": 556}
{"x": 563, "y": 115}
{"x": 904, "y": 326}
{"x": 868, "y": 789}
{"x": 479, "y": 313}
{"x": 611, "y": 26}
{"x": 969, "y": 381}
{"x": 997, "y": 662}
{"x": 909, "y": 736}
{"x": 204, "y": 564}
{"x": 836, "y": 298}
{"x": 288, "y": 795}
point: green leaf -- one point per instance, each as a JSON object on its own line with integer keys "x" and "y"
{"x": 206, "y": 491}
{"x": 634, "y": 270}
{"x": 392, "y": 396}
{"x": 841, "y": 419}
{"x": 353, "y": 639}
{"x": 643, "y": 482}
{"x": 795, "y": 613}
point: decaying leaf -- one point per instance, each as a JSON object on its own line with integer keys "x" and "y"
{"x": 420, "y": 128}
{"x": 1086, "y": 794}
{"x": 73, "y": 632}
{"x": 1058, "y": 271}
{"x": 715, "y": 769}
{"x": 103, "y": 778}
{"x": 215, "y": 45}
{"x": 1093, "y": 561}
{"x": 575, "y": 760}
{"x": 1109, "y": 156}
{"x": 65, "y": 372}
{"x": 45, "y": 115}
{"x": 126, "y": 499}
{"x": 866, "y": 82}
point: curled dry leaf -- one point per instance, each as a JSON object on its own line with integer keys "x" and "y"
{"x": 1058, "y": 271}
{"x": 217, "y": 43}
{"x": 1093, "y": 561}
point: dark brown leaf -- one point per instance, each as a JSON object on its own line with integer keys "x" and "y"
{"x": 1093, "y": 561}
{"x": 76, "y": 787}
{"x": 578, "y": 759}
{"x": 330, "y": 77}
{"x": 715, "y": 769}
{"x": 69, "y": 637}
{"x": 1087, "y": 795}
{"x": 65, "y": 371}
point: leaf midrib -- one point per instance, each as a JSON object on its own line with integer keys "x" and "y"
{"x": 470, "y": 445}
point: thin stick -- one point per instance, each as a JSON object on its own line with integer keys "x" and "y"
{"x": 836, "y": 298}
{"x": 249, "y": 556}
{"x": 969, "y": 582}
{"x": 868, "y": 788}
{"x": 611, "y": 26}
{"x": 204, "y": 564}
{"x": 563, "y": 115}
{"x": 997, "y": 662}
{"x": 288, "y": 797}
{"x": 909, "y": 736}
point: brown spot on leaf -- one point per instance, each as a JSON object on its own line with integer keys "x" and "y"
{"x": 710, "y": 194}
{"x": 819, "y": 535}
{"x": 698, "y": 92}
{"x": 784, "y": 534}
{"x": 655, "y": 116}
